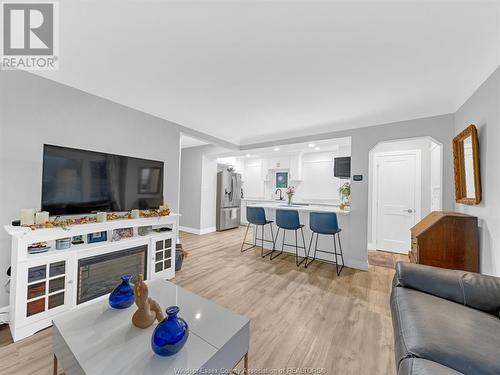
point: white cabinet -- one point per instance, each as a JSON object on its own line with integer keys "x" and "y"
{"x": 254, "y": 181}
{"x": 162, "y": 257}
{"x": 295, "y": 167}
{"x": 279, "y": 162}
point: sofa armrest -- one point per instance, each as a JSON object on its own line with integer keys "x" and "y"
{"x": 478, "y": 291}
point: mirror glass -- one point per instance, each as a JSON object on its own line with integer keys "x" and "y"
{"x": 469, "y": 167}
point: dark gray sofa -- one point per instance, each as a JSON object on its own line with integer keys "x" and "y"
{"x": 445, "y": 322}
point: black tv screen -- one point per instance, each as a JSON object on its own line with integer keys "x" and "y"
{"x": 342, "y": 167}
{"x": 79, "y": 181}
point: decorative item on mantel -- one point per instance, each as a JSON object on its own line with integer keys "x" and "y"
{"x": 101, "y": 217}
{"x": 147, "y": 308}
{"x": 27, "y": 216}
{"x": 123, "y": 295}
{"x": 135, "y": 214}
{"x": 120, "y": 233}
{"x": 290, "y": 192}
{"x": 63, "y": 243}
{"x": 171, "y": 334}
{"x": 144, "y": 231}
{"x": 41, "y": 217}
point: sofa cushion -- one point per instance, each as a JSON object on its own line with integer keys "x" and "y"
{"x": 417, "y": 366}
{"x": 445, "y": 332}
{"x": 478, "y": 291}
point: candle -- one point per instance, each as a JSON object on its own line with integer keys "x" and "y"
{"x": 134, "y": 214}
{"x": 27, "y": 216}
{"x": 41, "y": 217}
{"x": 163, "y": 208}
{"x": 101, "y": 217}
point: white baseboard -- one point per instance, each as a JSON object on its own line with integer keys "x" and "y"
{"x": 372, "y": 246}
{"x": 197, "y": 231}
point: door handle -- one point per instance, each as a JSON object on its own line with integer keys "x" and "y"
{"x": 409, "y": 210}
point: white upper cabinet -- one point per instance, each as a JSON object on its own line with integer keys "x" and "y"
{"x": 278, "y": 162}
{"x": 296, "y": 167}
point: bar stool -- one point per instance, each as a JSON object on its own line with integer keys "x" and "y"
{"x": 289, "y": 220}
{"x": 257, "y": 217}
{"x": 325, "y": 223}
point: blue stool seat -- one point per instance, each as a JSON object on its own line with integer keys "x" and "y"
{"x": 325, "y": 223}
{"x": 289, "y": 220}
{"x": 257, "y": 217}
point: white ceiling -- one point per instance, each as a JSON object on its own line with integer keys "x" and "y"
{"x": 187, "y": 141}
{"x": 324, "y": 145}
{"x": 249, "y": 71}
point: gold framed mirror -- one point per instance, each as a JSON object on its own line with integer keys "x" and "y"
{"x": 467, "y": 172}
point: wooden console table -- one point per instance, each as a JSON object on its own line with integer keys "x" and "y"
{"x": 446, "y": 240}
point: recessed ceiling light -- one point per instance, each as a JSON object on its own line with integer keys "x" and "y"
{"x": 311, "y": 145}
{"x": 248, "y": 155}
{"x": 316, "y": 148}
{"x": 276, "y": 149}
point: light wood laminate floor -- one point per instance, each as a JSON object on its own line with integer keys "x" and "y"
{"x": 308, "y": 318}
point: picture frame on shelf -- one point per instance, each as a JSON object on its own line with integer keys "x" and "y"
{"x": 97, "y": 237}
{"x": 121, "y": 233}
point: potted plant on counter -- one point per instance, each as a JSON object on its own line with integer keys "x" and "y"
{"x": 345, "y": 193}
{"x": 290, "y": 192}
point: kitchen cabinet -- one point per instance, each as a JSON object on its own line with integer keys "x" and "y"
{"x": 278, "y": 162}
{"x": 295, "y": 173}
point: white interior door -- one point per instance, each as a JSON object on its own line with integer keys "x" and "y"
{"x": 397, "y": 198}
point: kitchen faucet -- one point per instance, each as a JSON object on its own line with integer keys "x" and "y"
{"x": 280, "y": 192}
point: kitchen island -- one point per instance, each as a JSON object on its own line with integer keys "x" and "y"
{"x": 324, "y": 242}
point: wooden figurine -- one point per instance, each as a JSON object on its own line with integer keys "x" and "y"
{"x": 147, "y": 308}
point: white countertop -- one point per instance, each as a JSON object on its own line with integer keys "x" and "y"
{"x": 309, "y": 208}
{"x": 316, "y": 202}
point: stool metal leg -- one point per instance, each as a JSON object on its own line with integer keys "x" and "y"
{"x": 315, "y": 249}
{"x": 297, "y": 249}
{"x": 335, "y": 251}
{"x": 274, "y": 246}
{"x": 244, "y": 239}
{"x": 272, "y": 236}
{"x": 341, "y": 255}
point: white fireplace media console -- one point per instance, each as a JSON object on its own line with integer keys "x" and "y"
{"x": 45, "y": 285}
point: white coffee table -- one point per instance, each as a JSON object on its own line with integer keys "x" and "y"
{"x": 97, "y": 339}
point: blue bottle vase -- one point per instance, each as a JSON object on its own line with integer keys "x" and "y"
{"x": 170, "y": 335}
{"x": 123, "y": 295}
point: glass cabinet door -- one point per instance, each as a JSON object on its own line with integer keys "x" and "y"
{"x": 46, "y": 287}
{"x": 162, "y": 255}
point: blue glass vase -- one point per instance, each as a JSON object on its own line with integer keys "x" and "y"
{"x": 170, "y": 335}
{"x": 123, "y": 295}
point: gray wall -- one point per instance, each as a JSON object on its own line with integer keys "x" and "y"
{"x": 190, "y": 187}
{"x": 198, "y": 188}
{"x": 34, "y": 111}
{"x": 441, "y": 128}
{"x": 483, "y": 110}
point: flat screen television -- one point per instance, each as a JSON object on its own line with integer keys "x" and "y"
{"x": 78, "y": 181}
{"x": 342, "y": 167}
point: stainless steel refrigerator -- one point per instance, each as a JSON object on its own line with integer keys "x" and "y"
{"x": 228, "y": 200}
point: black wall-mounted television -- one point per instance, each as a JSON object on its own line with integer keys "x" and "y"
{"x": 78, "y": 181}
{"x": 342, "y": 167}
